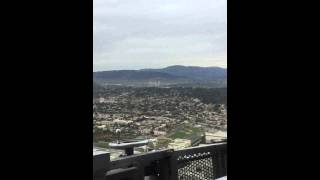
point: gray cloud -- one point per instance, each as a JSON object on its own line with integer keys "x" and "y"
{"x": 138, "y": 34}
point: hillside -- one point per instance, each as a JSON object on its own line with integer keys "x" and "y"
{"x": 132, "y": 75}
{"x": 172, "y": 75}
{"x": 194, "y": 72}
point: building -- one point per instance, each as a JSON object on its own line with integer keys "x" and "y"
{"x": 179, "y": 144}
{"x": 215, "y": 137}
{"x": 159, "y": 133}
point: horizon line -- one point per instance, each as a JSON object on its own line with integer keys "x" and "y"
{"x": 161, "y": 68}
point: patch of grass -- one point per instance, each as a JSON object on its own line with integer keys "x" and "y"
{"x": 195, "y": 130}
{"x": 185, "y": 133}
{"x": 179, "y": 134}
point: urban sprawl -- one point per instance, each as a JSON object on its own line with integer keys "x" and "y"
{"x": 173, "y": 117}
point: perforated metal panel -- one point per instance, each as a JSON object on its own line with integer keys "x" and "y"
{"x": 207, "y": 162}
{"x": 196, "y": 166}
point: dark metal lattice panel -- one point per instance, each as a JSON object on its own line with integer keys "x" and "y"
{"x": 196, "y": 166}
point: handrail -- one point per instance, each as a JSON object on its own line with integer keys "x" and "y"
{"x": 165, "y": 164}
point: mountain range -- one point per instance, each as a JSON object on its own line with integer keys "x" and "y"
{"x": 194, "y": 72}
{"x": 172, "y": 75}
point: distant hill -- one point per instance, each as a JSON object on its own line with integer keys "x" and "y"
{"x": 172, "y": 75}
{"x": 194, "y": 72}
{"x": 132, "y": 75}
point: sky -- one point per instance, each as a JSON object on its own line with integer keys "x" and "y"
{"x": 137, "y": 34}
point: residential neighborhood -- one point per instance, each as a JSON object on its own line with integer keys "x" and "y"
{"x": 155, "y": 113}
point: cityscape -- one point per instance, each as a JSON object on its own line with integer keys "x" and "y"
{"x": 169, "y": 115}
{"x": 160, "y": 90}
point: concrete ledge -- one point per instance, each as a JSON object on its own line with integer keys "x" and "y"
{"x": 101, "y": 162}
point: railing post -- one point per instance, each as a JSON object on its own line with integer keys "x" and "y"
{"x": 220, "y": 165}
{"x": 165, "y": 166}
{"x": 141, "y": 171}
{"x": 223, "y": 161}
{"x": 173, "y": 167}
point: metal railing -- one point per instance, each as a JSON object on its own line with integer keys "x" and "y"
{"x": 197, "y": 163}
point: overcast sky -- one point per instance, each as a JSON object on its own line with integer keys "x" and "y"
{"x": 136, "y": 34}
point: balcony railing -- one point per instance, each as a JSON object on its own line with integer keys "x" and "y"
{"x": 197, "y": 163}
